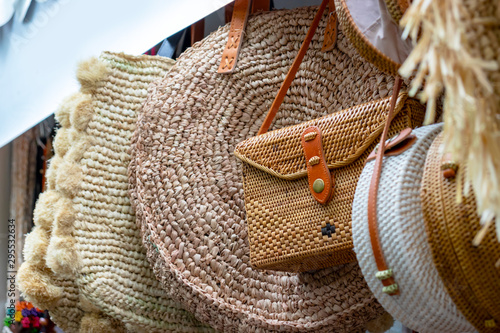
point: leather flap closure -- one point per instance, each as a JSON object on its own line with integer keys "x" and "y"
{"x": 345, "y": 136}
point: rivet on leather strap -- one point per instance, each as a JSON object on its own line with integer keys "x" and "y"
{"x": 448, "y": 166}
{"x": 319, "y": 177}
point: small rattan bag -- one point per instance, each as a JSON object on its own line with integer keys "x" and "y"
{"x": 299, "y": 181}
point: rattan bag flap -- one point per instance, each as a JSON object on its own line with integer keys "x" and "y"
{"x": 345, "y": 137}
{"x": 288, "y": 228}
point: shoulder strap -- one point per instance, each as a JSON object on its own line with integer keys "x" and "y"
{"x": 293, "y": 70}
{"x": 384, "y": 273}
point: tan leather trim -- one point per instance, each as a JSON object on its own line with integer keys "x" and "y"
{"x": 397, "y": 145}
{"x": 373, "y": 193}
{"x": 197, "y": 31}
{"x": 292, "y": 71}
{"x": 261, "y": 6}
{"x": 313, "y": 150}
{"x": 235, "y": 36}
{"x": 331, "y": 30}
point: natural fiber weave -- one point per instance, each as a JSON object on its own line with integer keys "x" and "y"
{"x": 284, "y": 220}
{"x": 423, "y": 304}
{"x": 468, "y": 272}
{"x": 361, "y": 43}
{"x": 397, "y": 8}
{"x": 57, "y": 293}
{"x": 458, "y": 52}
{"x": 95, "y": 237}
{"x": 187, "y": 190}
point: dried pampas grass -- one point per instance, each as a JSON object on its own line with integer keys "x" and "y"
{"x": 458, "y": 51}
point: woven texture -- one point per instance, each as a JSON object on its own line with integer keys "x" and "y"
{"x": 424, "y": 304}
{"x": 94, "y": 239}
{"x": 397, "y": 8}
{"x": 38, "y": 284}
{"x": 186, "y": 185}
{"x": 57, "y": 293}
{"x": 457, "y": 52}
{"x": 361, "y": 43}
{"x": 468, "y": 272}
{"x": 108, "y": 259}
{"x": 285, "y": 222}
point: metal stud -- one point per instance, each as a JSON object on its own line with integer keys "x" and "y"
{"x": 318, "y": 185}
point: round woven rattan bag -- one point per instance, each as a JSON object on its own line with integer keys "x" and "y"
{"x": 423, "y": 303}
{"x": 186, "y": 183}
{"x": 470, "y": 272}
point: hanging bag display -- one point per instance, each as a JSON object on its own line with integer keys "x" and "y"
{"x": 299, "y": 181}
{"x": 186, "y": 183}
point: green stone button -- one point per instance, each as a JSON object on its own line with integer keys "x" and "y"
{"x": 318, "y": 185}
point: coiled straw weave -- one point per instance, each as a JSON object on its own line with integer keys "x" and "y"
{"x": 94, "y": 235}
{"x": 187, "y": 189}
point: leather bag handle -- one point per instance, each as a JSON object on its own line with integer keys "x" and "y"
{"x": 241, "y": 11}
{"x": 292, "y": 71}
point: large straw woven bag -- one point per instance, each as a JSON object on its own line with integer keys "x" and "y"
{"x": 57, "y": 293}
{"x": 424, "y": 307}
{"x": 94, "y": 236}
{"x": 470, "y": 272}
{"x": 187, "y": 190}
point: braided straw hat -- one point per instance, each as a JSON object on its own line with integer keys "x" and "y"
{"x": 468, "y": 271}
{"x": 94, "y": 236}
{"x": 372, "y": 31}
{"x": 423, "y": 304}
{"x": 186, "y": 184}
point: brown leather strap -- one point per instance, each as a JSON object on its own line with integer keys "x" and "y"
{"x": 292, "y": 71}
{"x": 257, "y": 6}
{"x": 373, "y": 192}
{"x": 228, "y": 12}
{"x": 235, "y": 36}
{"x": 331, "y": 30}
{"x": 321, "y": 182}
{"x": 260, "y": 5}
{"x": 197, "y": 31}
